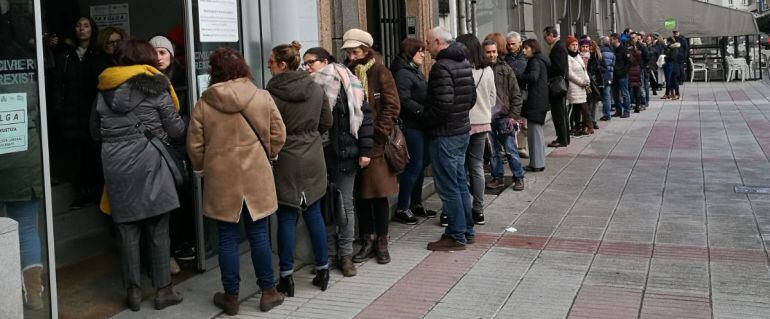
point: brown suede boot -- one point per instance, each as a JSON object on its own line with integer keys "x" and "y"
{"x": 227, "y": 302}
{"x": 446, "y": 243}
{"x": 383, "y": 256}
{"x": 166, "y": 297}
{"x": 270, "y": 299}
{"x": 347, "y": 266}
{"x": 367, "y": 249}
{"x": 33, "y": 288}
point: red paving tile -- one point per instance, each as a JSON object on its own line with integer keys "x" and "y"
{"x": 606, "y": 302}
{"x": 573, "y": 245}
{"x": 687, "y": 138}
{"x": 740, "y": 256}
{"x": 675, "y": 306}
{"x": 661, "y": 136}
{"x": 626, "y": 249}
{"x": 738, "y": 95}
{"x": 423, "y": 286}
{"x": 761, "y": 131}
{"x": 668, "y": 251}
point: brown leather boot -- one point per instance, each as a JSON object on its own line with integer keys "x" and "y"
{"x": 166, "y": 297}
{"x": 367, "y": 249}
{"x": 383, "y": 256}
{"x": 270, "y": 299}
{"x": 33, "y": 288}
{"x": 347, "y": 266}
{"x": 227, "y": 302}
{"x": 134, "y": 298}
{"x": 446, "y": 243}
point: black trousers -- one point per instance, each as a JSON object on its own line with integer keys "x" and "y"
{"x": 560, "y": 119}
{"x": 373, "y": 216}
{"x": 155, "y": 233}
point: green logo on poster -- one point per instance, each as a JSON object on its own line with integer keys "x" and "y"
{"x": 670, "y": 24}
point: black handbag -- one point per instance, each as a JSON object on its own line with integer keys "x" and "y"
{"x": 557, "y": 86}
{"x": 176, "y": 164}
{"x": 332, "y": 208}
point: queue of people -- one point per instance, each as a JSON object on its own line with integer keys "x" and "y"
{"x": 482, "y": 102}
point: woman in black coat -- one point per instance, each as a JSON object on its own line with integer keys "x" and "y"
{"x": 412, "y": 92}
{"x": 535, "y": 108}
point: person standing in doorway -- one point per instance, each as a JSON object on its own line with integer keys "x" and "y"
{"x": 452, "y": 94}
{"x": 558, "y": 69}
{"x": 350, "y": 140}
{"x": 375, "y": 180}
{"x": 413, "y": 94}
{"x": 243, "y": 132}
{"x": 505, "y": 117}
{"x": 138, "y": 182}
{"x": 300, "y": 171}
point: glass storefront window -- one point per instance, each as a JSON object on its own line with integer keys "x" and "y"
{"x": 21, "y": 159}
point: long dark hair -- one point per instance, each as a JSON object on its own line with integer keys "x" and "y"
{"x": 92, "y": 42}
{"x": 321, "y": 54}
{"x": 475, "y": 54}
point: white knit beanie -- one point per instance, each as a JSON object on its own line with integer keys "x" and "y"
{"x": 162, "y": 42}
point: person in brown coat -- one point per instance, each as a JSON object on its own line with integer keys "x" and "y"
{"x": 375, "y": 181}
{"x": 300, "y": 171}
{"x": 234, "y": 163}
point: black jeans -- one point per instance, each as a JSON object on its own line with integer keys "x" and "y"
{"x": 560, "y": 119}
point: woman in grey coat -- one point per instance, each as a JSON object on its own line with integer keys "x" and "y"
{"x": 138, "y": 182}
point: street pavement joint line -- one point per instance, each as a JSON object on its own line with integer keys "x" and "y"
{"x": 626, "y": 129}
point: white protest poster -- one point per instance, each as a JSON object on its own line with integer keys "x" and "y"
{"x": 218, "y": 20}
{"x": 112, "y": 15}
{"x": 203, "y": 83}
{"x": 13, "y": 123}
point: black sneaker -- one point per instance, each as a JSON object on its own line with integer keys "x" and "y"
{"x": 405, "y": 216}
{"x": 443, "y": 220}
{"x": 605, "y": 118}
{"x": 186, "y": 251}
{"x": 478, "y": 218}
{"x": 420, "y": 210}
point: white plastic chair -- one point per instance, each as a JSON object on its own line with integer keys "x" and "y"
{"x": 736, "y": 65}
{"x": 698, "y": 67}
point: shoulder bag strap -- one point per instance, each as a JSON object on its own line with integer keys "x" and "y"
{"x": 253, "y": 129}
{"x": 159, "y": 145}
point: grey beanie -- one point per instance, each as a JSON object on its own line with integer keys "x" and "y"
{"x": 162, "y": 42}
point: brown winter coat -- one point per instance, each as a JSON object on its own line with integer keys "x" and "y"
{"x": 221, "y": 144}
{"x": 377, "y": 180}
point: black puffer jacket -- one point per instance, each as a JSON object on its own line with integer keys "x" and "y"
{"x": 412, "y": 91}
{"x": 343, "y": 150}
{"x": 536, "y": 79}
{"x": 451, "y": 92}
{"x": 622, "y": 61}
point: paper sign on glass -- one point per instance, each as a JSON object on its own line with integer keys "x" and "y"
{"x": 13, "y": 123}
{"x": 218, "y": 20}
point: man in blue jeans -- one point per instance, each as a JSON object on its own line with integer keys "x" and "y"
{"x": 452, "y": 93}
{"x": 620, "y": 78}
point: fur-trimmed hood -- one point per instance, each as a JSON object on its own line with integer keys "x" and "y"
{"x": 128, "y": 95}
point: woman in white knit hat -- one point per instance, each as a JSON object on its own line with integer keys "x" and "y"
{"x": 181, "y": 224}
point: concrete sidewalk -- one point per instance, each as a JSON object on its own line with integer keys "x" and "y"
{"x": 639, "y": 220}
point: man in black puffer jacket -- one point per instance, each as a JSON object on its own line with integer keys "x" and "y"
{"x": 451, "y": 95}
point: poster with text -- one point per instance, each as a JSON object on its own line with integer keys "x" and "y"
{"x": 218, "y": 20}
{"x": 13, "y": 123}
{"x": 112, "y": 15}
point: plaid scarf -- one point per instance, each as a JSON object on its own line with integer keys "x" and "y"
{"x": 335, "y": 76}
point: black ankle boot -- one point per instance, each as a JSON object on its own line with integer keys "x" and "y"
{"x": 321, "y": 279}
{"x": 286, "y": 286}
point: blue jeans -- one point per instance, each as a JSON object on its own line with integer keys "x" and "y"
{"x": 25, "y": 213}
{"x": 410, "y": 181}
{"x": 620, "y": 88}
{"x": 287, "y": 235}
{"x": 448, "y": 157}
{"x": 607, "y": 100}
{"x": 261, "y": 256}
{"x": 511, "y": 153}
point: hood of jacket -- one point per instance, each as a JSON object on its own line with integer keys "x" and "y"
{"x": 606, "y": 48}
{"x": 456, "y": 51}
{"x": 128, "y": 95}
{"x": 292, "y": 86}
{"x": 675, "y": 45}
{"x": 231, "y": 96}
{"x": 399, "y": 64}
{"x": 543, "y": 58}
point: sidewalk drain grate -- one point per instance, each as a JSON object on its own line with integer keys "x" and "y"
{"x": 752, "y": 189}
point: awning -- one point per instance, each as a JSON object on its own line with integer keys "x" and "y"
{"x": 692, "y": 18}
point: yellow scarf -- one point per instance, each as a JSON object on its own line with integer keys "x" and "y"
{"x": 115, "y": 76}
{"x": 361, "y": 70}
